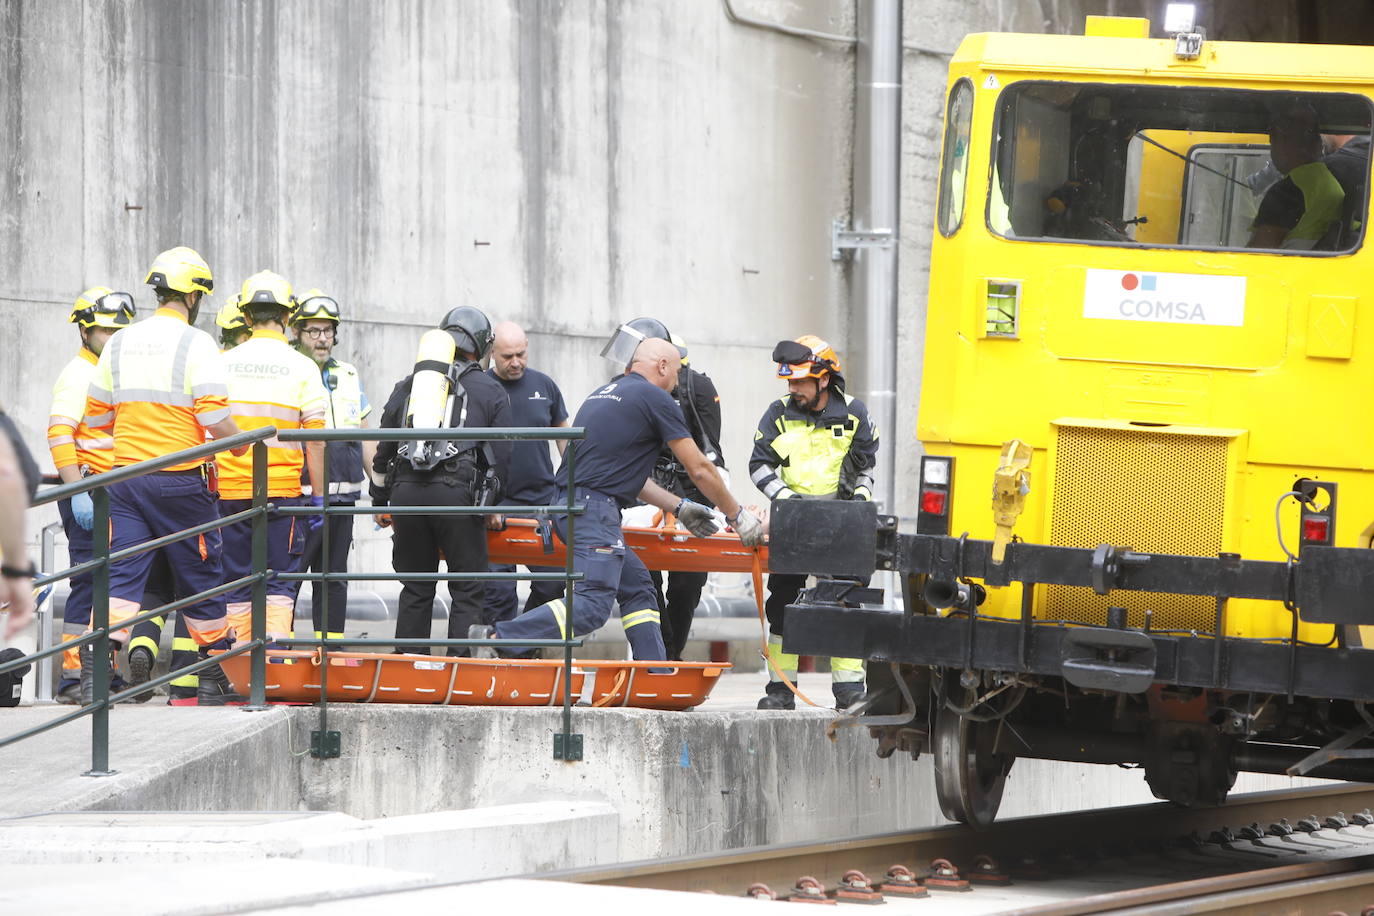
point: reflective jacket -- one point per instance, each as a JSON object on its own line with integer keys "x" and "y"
{"x": 270, "y": 384}
{"x": 346, "y": 408}
{"x": 70, "y": 440}
{"x": 826, "y": 454}
{"x": 157, "y": 386}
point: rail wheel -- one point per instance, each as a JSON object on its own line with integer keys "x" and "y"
{"x": 969, "y": 777}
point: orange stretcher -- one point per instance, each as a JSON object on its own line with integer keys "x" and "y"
{"x": 293, "y": 676}
{"x": 667, "y": 548}
{"x": 653, "y": 685}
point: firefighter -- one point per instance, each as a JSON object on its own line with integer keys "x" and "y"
{"x": 233, "y": 329}
{"x": 158, "y": 388}
{"x": 627, "y": 422}
{"x": 270, "y": 384}
{"x": 78, "y": 452}
{"x": 448, "y": 389}
{"x": 316, "y": 325}
{"x": 815, "y": 443}
{"x": 696, "y": 395}
{"x": 535, "y": 401}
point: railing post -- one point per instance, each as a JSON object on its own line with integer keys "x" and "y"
{"x": 323, "y": 610}
{"x": 257, "y": 679}
{"x": 100, "y": 621}
{"x": 566, "y": 745}
{"x": 324, "y": 744}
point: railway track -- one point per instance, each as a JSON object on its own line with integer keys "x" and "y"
{"x": 1298, "y": 851}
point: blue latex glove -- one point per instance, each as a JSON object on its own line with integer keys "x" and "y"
{"x": 83, "y": 510}
{"x": 315, "y": 522}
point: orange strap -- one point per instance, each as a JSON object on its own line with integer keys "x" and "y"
{"x": 615, "y": 689}
{"x": 763, "y": 633}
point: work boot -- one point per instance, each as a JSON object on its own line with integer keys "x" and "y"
{"x": 847, "y": 693}
{"x": 141, "y": 670}
{"x": 215, "y": 689}
{"x": 482, "y": 631}
{"x": 87, "y": 686}
{"x": 69, "y": 695}
{"x": 777, "y": 696}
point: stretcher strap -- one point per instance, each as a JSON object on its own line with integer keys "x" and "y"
{"x": 615, "y": 689}
{"x": 763, "y": 632}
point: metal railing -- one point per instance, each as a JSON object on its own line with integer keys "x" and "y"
{"x": 567, "y": 745}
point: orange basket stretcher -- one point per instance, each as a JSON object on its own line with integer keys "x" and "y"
{"x": 653, "y": 685}
{"x": 293, "y": 676}
{"x": 670, "y": 549}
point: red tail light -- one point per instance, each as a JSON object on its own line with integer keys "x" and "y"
{"x": 933, "y": 502}
{"x": 1316, "y": 529}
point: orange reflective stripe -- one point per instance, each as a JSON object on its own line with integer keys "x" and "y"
{"x": 207, "y": 632}
{"x": 204, "y": 553}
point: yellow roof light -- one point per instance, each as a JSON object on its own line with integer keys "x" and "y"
{"x": 1117, "y": 27}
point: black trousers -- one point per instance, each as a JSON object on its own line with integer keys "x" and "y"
{"x": 313, "y": 560}
{"x": 416, "y": 546}
{"x": 678, "y": 607}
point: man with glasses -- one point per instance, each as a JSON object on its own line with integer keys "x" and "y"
{"x": 316, "y": 323}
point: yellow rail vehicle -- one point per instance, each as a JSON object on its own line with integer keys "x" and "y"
{"x": 1143, "y": 332}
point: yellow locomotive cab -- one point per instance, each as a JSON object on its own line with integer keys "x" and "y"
{"x": 1147, "y": 334}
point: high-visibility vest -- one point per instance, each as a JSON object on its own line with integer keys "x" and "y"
{"x": 803, "y": 454}
{"x": 270, "y": 384}
{"x": 158, "y": 386}
{"x": 347, "y": 408}
{"x": 70, "y": 440}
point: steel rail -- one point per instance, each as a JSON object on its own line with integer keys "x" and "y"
{"x": 1007, "y": 842}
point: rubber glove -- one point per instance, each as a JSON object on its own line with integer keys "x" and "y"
{"x": 315, "y": 521}
{"x": 83, "y": 510}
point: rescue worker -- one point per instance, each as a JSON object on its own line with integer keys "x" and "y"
{"x": 316, "y": 324}
{"x": 466, "y": 474}
{"x": 79, "y": 452}
{"x": 627, "y": 422}
{"x": 535, "y": 402}
{"x": 1303, "y": 211}
{"x": 815, "y": 443}
{"x": 159, "y": 387}
{"x": 699, "y": 401}
{"x": 233, "y": 329}
{"x": 270, "y": 384}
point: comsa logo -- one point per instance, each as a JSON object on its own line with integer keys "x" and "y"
{"x": 1167, "y": 298}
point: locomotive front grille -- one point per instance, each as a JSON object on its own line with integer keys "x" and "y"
{"x": 1148, "y": 490}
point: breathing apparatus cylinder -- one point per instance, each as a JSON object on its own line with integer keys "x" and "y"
{"x": 429, "y": 406}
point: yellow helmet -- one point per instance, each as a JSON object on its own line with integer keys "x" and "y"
{"x": 230, "y": 317}
{"x": 806, "y": 357}
{"x": 102, "y": 307}
{"x": 181, "y": 269}
{"x": 316, "y": 305}
{"x": 266, "y": 288}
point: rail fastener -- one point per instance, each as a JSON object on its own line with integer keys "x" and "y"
{"x": 809, "y": 890}
{"x": 987, "y": 871}
{"x": 945, "y": 877}
{"x": 902, "y": 882}
{"x": 854, "y": 887}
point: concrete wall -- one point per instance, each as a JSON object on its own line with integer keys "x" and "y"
{"x": 566, "y": 165}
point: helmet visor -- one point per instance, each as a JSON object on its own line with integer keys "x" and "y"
{"x": 620, "y": 349}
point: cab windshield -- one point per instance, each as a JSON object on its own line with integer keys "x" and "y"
{"x": 1195, "y": 168}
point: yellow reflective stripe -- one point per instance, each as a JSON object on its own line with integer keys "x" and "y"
{"x": 183, "y": 644}
{"x": 186, "y": 680}
{"x": 144, "y": 641}
{"x": 846, "y": 670}
{"x": 785, "y": 661}
{"x": 319, "y": 635}
{"x": 636, "y": 618}
{"x": 559, "y": 610}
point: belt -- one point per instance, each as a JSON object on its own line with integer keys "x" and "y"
{"x": 188, "y": 472}
{"x": 597, "y": 495}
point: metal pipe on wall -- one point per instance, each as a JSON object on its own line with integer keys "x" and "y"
{"x": 877, "y": 153}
